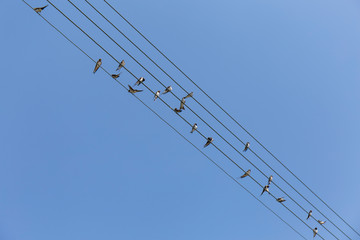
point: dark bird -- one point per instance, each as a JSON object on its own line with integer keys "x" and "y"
{"x": 194, "y": 127}
{"x": 265, "y": 189}
{"x": 315, "y": 231}
{"x": 309, "y": 215}
{"x": 189, "y": 95}
{"x": 115, "y": 76}
{"x": 139, "y": 81}
{"x": 246, "y": 174}
{"x": 168, "y": 89}
{"x": 97, "y": 66}
{"x": 157, "y": 94}
{"x": 122, "y": 64}
{"x": 38, "y": 10}
{"x": 131, "y": 90}
{"x": 182, "y": 104}
{"x": 209, "y": 140}
{"x": 280, "y": 200}
{"x": 177, "y": 110}
{"x": 247, "y": 145}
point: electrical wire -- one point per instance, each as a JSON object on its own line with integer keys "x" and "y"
{"x": 173, "y": 128}
{"x": 232, "y": 118}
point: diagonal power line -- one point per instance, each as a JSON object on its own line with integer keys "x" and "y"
{"x": 173, "y": 128}
{"x": 232, "y": 118}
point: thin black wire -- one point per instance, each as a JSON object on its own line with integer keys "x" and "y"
{"x": 178, "y": 114}
{"x": 189, "y": 109}
{"x": 231, "y": 117}
{"x": 217, "y": 165}
{"x": 124, "y": 35}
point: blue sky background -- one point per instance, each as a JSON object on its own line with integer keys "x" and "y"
{"x": 80, "y": 158}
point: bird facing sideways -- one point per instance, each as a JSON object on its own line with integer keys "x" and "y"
{"x": 131, "y": 90}
{"x": 209, "y": 141}
{"x": 247, "y": 145}
{"x": 97, "y": 66}
{"x": 39, "y": 9}
{"x": 246, "y": 174}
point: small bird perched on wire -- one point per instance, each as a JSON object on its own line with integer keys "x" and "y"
{"x": 168, "y": 89}
{"x": 321, "y": 222}
{"x": 122, "y": 64}
{"x": 315, "y": 231}
{"x": 189, "y": 95}
{"x": 280, "y": 200}
{"x": 246, "y": 174}
{"x": 131, "y": 90}
{"x": 209, "y": 141}
{"x": 97, "y": 66}
{"x": 309, "y": 215}
{"x": 265, "y": 189}
{"x": 182, "y": 104}
{"x": 139, "y": 81}
{"x": 247, "y": 145}
{"x": 194, "y": 127}
{"x": 270, "y": 179}
{"x": 157, "y": 94}
{"x": 177, "y": 110}
{"x": 115, "y": 76}
{"x": 39, "y": 9}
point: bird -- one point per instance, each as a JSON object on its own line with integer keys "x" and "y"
{"x": 157, "y": 94}
{"x": 182, "y": 104}
{"x": 177, "y": 110}
{"x": 39, "y": 9}
{"x": 131, "y": 90}
{"x": 189, "y": 95}
{"x": 115, "y": 76}
{"x": 280, "y": 200}
{"x": 246, "y": 174}
{"x": 97, "y": 66}
{"x": 122, "y": 64}
{"x": 209, "y": 140}
{"x": 309, "y": 215}
{"x": 315, "y": 230}
{"x": 247, "y": 145}
{"x": 270, "y": 179}
{"x": 139, "y": 81}
{"x": 321, "y": 222}
{"x": 265, "y": 189}
{"x": 194, "y": 127}
{"x": 168, "y": 89}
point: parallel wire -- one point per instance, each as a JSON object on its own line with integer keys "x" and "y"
{"x": 173, "y": 128}
{"x": 256, "y": 140}
{"x": 124, "y": 35}
{"x": 193, "y": 112}
{"x": 181, "y": 116}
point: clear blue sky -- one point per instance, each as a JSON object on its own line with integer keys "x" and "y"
{"x": 80, "y": 158}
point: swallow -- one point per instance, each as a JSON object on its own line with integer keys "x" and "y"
{"x": 309, "y": 215}
{"x": 189, "y": 95}
{"x": 315, "y": 231}
{"x": 131, "y": 90}
{"x": 38, "y": 10}
{"x": 280, "y": 200}
{"x": 168, "y": 89}
{"x": 194, "y": 127}
{"x": 122, "y": 64}
{"x": 246, "y": 174}
{"x": 265, "y": 189}
{"x": 247, "y": 145}
{"x": 157, "y": 94}
{"x": 209, "y": 140}
{"x": 177, "y": 110}
{"x": 97, "y": 66}
{"x": 115, "y": 76}
{"x": 321, "y": 222}
{"x": 182, "y": 104}
{"x": 139, "y": 81}
{"x": 270, "y": 179}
